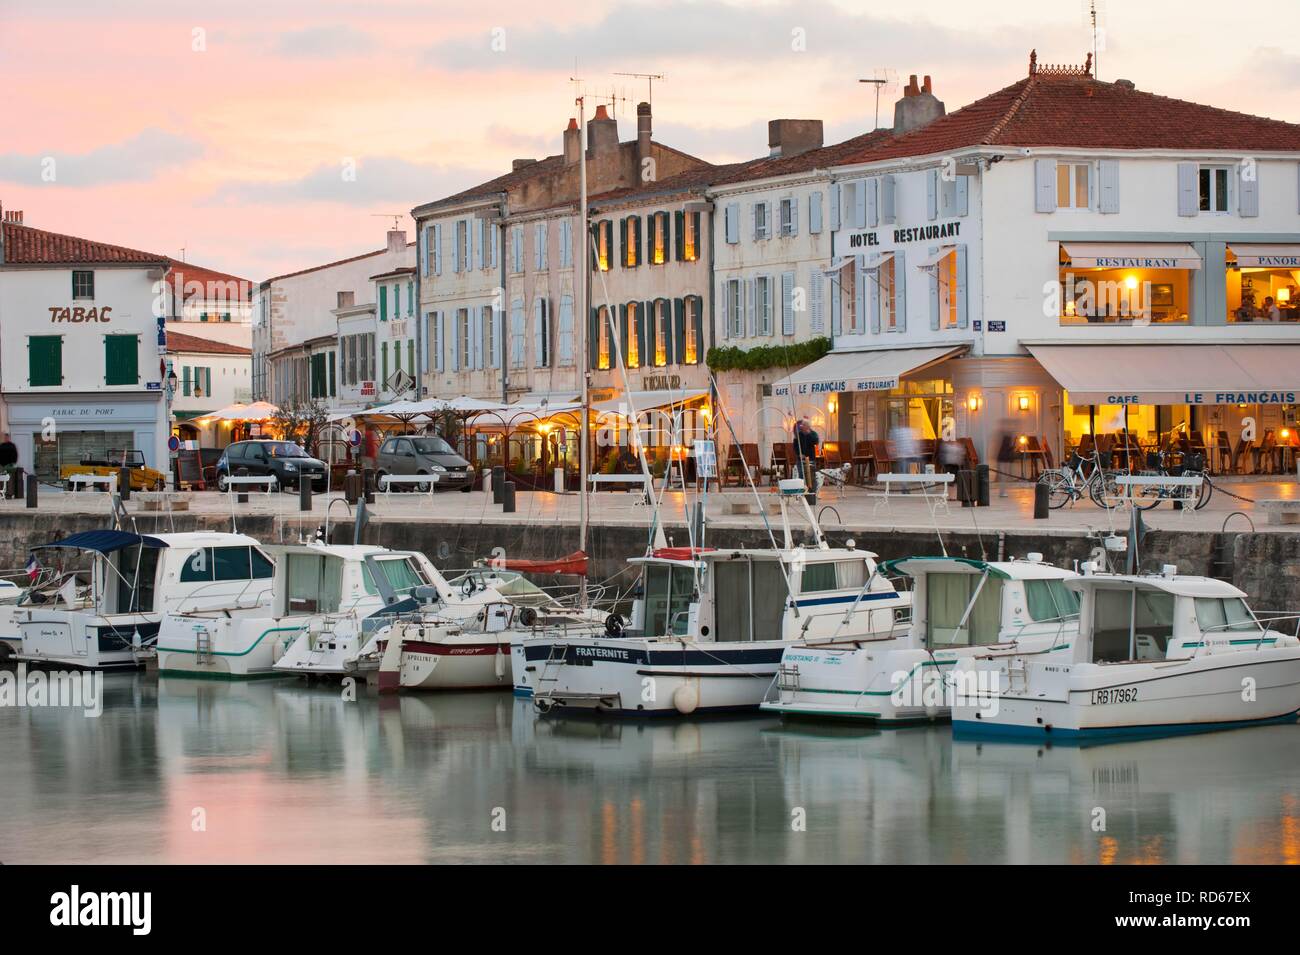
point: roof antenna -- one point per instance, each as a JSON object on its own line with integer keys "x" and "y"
{"x": 882, "y": 79}
{"x": 650, "y": 83}
{"x": 1094, "y": 12}
{"x": 395, "y": 216}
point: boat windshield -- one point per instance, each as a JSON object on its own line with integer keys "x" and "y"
{"x": 1131, "y": 624}
{"x": 1050, "y": 600}
{"x": 834, "y": 575}
{"x": 1215, "y": 614}
{"x": 402, "y": 574}
{"x": 315, "y": 583}
{"x": 668, "y": 592}
{"x": 432, "y": 445}
{"x": 951, "y": 620}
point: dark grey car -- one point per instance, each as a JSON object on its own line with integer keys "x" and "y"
{"x": 424, "y": 454}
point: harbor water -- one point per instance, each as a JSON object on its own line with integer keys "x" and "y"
{"x": 194, "y": 771}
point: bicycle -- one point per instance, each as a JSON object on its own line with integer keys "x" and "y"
{"x": 1193, "y": 466}
{"x": 1069, "y": 483}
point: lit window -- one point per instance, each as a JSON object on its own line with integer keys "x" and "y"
{"x": 633, "y": 356}
{"x": 947, "y": 273}
{"x": 1072, "y": 185}
{"x": 602, "y": 338}
{"x": 691, "y": 310}
{"x": 659, "y": 249}
{"x": 603, "y": 231}
{"x": 1214, "y": 188}
{"x": 632, "y": 231}
{"x": 663, "y": 328}
{"x": 688, "y": 237}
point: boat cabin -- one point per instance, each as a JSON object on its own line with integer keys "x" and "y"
{"x": 961, "y": 602}
{"x": 328, "y": 578}
{"x": 1156, "y": 617}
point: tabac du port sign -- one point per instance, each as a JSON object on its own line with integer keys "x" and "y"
{"x": 80, "y": 316}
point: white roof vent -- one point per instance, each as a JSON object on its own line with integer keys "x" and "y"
{"x": 1034, "y": 558}
{"x": 1169, "y": 570}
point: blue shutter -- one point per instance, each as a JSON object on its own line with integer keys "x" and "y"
{"x": 962, "y": 187}
{"x": 794, "y": 216}
{"x": 454, "y": 341}
{"x": 815, "y": 213}
{"x": 437, "y": 248}
{"x": 426, "y": 236}
{"x": 1248, "y": 190}
{"x": 725, "y": 307}
{"x": 787, "y": 303}
{"x": 540, "y": 357}
{"x": 860, "y": 204}
{"x": 749, "y": 304}
{"x": 1109, "y": 174}
{"x": 566, "y": 329}
{"x": 872, "y": 202}
{"x": 888, "y": 211}
{"x": 1189, "y": 198}
{"x": 934, "y": 290}
{"x": 932, "y": 194}
{"x": 870, "y": 279}
{"x": 835, "y": 206}
{"x": 440, "y": 346}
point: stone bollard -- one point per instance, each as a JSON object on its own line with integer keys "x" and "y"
{"x": 498, "y": 484}
{"x": 350, "y": 493}
{"x": 32, "y": 484}
{"x": 508, "y": 497}
{"x": 982, "y": 485}
{"x": 304, "y": 493}
{"x": 242, "y": 496}
{"x": 17, "y": 484}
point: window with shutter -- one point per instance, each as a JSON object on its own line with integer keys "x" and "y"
{"x": 787, "y": 303}
{"x": 566, "y": 330}
{"x": 437, "y": 248}
{"x": 731, "y": 223}
{"x": 815, "y": 213}
{"x": 383, "y": 303}
{"x": 121, "y": 359}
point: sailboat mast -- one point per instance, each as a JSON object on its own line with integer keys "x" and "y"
{"x": 584, "y": 323}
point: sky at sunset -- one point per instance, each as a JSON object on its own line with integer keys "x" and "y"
{"x": 226, "y": 128}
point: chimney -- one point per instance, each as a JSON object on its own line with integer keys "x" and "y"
{"x": 347, "y": 299}
{"x": 790, "y": 137}
{"x": 397, "y": 241}
{"x": 917, "y": 108}
{"x": 602, "y": 133}
{"x": 643, "y": 133}
{"x": 518, "y": 164}
{"x": 572, "y": 142}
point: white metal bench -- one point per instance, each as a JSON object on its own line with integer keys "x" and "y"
{"x": 77, "y": 481}
{"x": 386, "y": 482}
{"x": 934, "y": 488}
{"x": 1187, "y": 486}
{"x": 628, "y": 481}
{"x": 234, "y": 481}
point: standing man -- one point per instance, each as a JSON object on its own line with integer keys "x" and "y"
{"x": 8, "y": 461}
{"x": 805, "y": 447}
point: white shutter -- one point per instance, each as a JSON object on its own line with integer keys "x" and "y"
{"x": 455, "y": 246}
{"x": 835, "y": 206}
{"x": 888, "y": 212}
{"x": 868, "y": 281}
{"x": 932, "y": 195}
{"x": 454, "y": 341}
{"x": 873, "y": 204}
{"x": 566, "y": 243}
{"x": 815, "y": 213}
{"x": 731, "y": 221}
{"x": 476, "y": 338}
{"x": 935, "y": 291}
{"x": 1189, "y": 200}
{"x": 787, "y": 303}
{"x": 541, "y": 238}
{"x": 1248, "y": 189}
{"x": 900, "y": 291}
{"x": 860, "y": 204}
{"x": 566, "y": 330}
{"x": 962, "y": 203}
{"x": 426, "y": 236}
{"x": 725, "y": 299}
{"x": 963, "y": 308}
{"x": 476, "y": 227}
{"x": 1108, "y": 173}
{"x": 1044, "y": 185}
{"x": 794, "y": 216}
{"x": 816, "y": 286}
{"x": 750, "y": 300}
{"x": 437, "y": 248}
{"x": 494, "y": 246}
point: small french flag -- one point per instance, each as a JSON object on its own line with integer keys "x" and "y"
{"x": 33, "y": 568}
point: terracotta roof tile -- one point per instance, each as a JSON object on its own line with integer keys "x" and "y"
{"x": 180, "y": 342}
{"x": 24, "y": 245}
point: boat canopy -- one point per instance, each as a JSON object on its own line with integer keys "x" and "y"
{"x": 1004, "y": 569}
{"x": 1180, "y": 586}
{"x": 106, "y": 542}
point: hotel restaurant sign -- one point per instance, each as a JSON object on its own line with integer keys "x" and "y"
{"x": 888, "y": 238}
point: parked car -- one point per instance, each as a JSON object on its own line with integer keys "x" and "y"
{"x": 288, "y": 462}
{"x": 424, "y": 454}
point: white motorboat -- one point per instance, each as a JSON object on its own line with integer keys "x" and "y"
{"x": 1155, "y": 655}
{"x": 960, "y": 607}
{"x": 321, "y": 594}
{"x": 111, "y": 619}
{"x": 707, "y": 635}
{"x": 466, "y": 644}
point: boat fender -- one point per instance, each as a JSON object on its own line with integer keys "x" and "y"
{"x": 686, "y": 698}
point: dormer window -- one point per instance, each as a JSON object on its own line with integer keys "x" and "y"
{"x": 83, "y": 284}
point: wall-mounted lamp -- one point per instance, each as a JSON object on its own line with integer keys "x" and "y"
{"x": 1024, "y": 402}
{"x": 831, "y": 405}
{"x": 973, "y": 402}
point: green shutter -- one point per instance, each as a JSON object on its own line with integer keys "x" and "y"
{"x": 44, "y": 360}
{"x": 185, "y": 381}
{"x": 410, "y": 356}
{"x": 384, "y": 348}
{"x": 333, "y": 392}
{"x": 121, "y": 359}
{"x": 410, "y": 298}
{"x": 383, "y": 303}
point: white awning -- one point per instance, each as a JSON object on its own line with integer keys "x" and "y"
{"x": 859, "y": 371}
{"x": 1132, "y": 255}
{"x": 934, "y": 258}
{"x": 837, "y": 264}
{"x": 636, "y": 402}
{"x": 1264, "y": 374}
{"x": 874, "y": 260}
{"x": 1266, "y": 256}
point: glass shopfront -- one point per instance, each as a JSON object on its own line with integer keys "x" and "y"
{"x": 1263, "y": 283}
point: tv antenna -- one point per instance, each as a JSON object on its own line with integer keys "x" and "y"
{"x": 1095, "y": 11}
{"x": 395, "y": 216}
{"x": 883, "y": 80}
{"x": 650, "y": 82}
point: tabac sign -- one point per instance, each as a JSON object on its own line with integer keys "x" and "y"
{"x": 80, "y": 316}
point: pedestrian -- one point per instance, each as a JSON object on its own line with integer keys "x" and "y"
{"x": 8, "y": 461}
{"x": 805, "y": 443}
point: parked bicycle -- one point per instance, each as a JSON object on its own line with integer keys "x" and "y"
{"x": 1092, "y": 475}
{"x": 1197, "y": 496}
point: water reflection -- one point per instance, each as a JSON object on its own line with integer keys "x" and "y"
{"x": 198, "y": 771}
